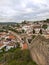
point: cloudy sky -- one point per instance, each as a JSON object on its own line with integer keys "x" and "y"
{"x": 18, "y": 10}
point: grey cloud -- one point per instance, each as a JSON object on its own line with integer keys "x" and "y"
{"x": 14, "y": 10}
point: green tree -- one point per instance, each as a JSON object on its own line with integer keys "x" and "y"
{"x": 33, "y": 31}
{"x": 24, "y": 22}
{"x": 33, "y": 36}
{"x": 47, "y": 20}
{"x": 18, "y": 25}
{"x": 45, "y": 26}
{"x": 40, "y": 31}
{"x": 23, "y": 31}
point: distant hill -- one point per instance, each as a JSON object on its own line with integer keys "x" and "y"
{"x": 7, "y": 23}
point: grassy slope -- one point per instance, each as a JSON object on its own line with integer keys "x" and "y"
{"x": 16, "y": 57}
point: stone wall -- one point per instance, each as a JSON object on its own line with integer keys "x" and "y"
{"x": 39, "y": 50}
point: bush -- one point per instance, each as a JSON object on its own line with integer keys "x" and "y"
{"x": 45, "y": 26}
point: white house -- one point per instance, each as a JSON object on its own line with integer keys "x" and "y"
{"x": 25, "y": 27}
{"x": 10, "y": 45}
{"x": 37, "y": 28}
{"x": 5, "y": 42}
{"x": 47, "y": 30}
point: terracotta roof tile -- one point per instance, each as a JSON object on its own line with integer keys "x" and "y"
{"x": 11, "y": 37}
{"x": 24, "y": 46}
{"x": 1, "y": 44}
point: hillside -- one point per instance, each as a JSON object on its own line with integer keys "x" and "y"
{"x": 5, "y": 23}
{"x": 16, "y": 57}
{"x": 40, "y": 50}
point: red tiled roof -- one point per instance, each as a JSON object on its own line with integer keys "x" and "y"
{"x": 24, "y": 46}
{"x": 11, "y": 37}
{"x": 1, "y": 44}
{"x": 36, "y": 26}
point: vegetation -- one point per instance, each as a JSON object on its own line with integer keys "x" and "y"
{"x": 24, "y": 22}
{"x": 16, "y": 57}
{"x": 40, "y": 31}
{"x": 30, "y": 40}
{"x": 9, "y": 28}
{"x": 33, "y": 36}
{"x": 47, "y": 20}
{"x": 33, "y": 31}
{"x": 45, "y": 26}
{"x": 17, "y": 25}
{"x": 23, "y": 31}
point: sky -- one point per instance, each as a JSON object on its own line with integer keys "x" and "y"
{"x": 18, "y": 10}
